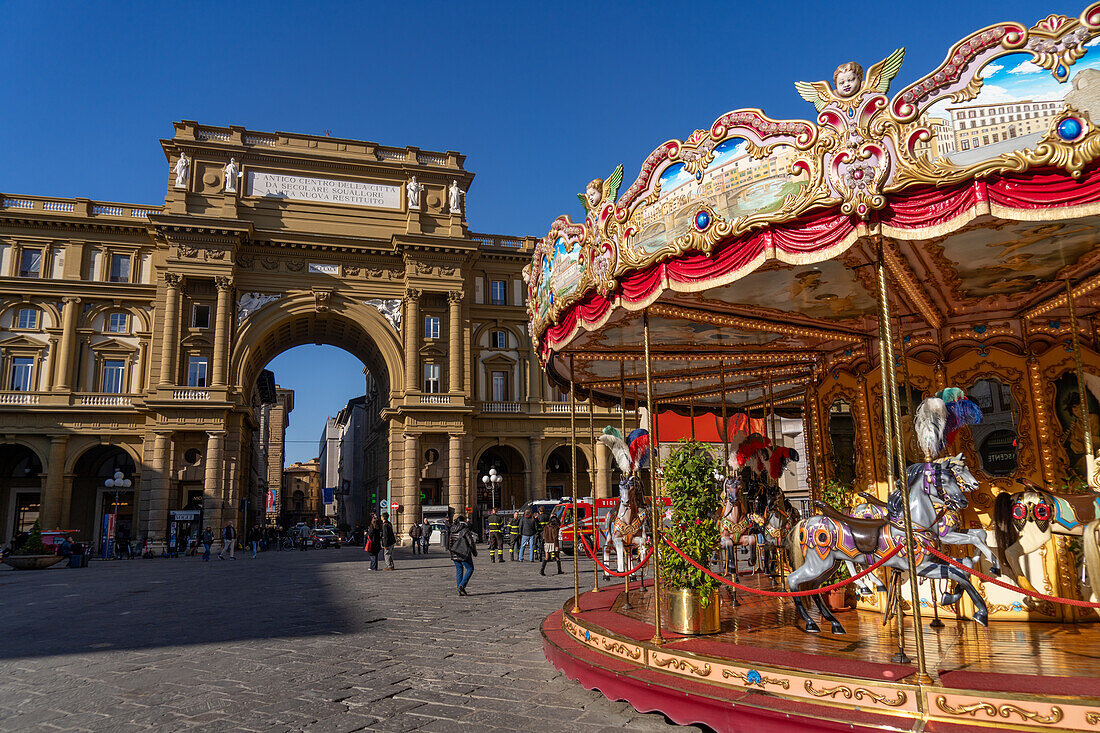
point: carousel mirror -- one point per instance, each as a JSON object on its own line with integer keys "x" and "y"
{"x": 842, "y": 436}
{"x": 1067, "y": 407}
{"x": 994, "y": 439}
{"x": 909, "y": 399}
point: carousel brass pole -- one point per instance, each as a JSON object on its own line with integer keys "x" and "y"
{"x": 726, "y": 468}
{"x": 573, "y": 468}
{"x": 577, "y": 547}
{"x": 654, "y": 506}
{"x": 890, "y": 395}
{"x": 622, "y": 389}
{"x": 1083, "y": 401}
{"x": 691, "y": 409}
{"x": 779, "y": 546}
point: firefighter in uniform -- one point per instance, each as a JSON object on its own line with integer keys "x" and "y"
{"x": 542, "y": 519}
{"x": 496, "y": 537}
{"x": 513, "y": 530}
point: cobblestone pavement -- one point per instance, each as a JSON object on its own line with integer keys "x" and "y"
{"x": 290, "y": 641}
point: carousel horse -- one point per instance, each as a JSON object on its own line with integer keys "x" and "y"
{"x": 926, "y": 477}
{"x": 774, "y": 523}
{"x": 1026, "y": 520}
{"x": 625, "y": 528}
{"x": 733, "y": 526}
{"x": 825, "y": 540}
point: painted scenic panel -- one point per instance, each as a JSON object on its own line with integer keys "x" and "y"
{"x": 734, "y": 184}
{"x": 561, "y": 274}
{"x": 1017, "y": 103}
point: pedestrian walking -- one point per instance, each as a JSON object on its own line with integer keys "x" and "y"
{"x": 528, "y": 530}
{"x": 541, "y": 520}
{"x": 513, "y": 535}
{"x": 447, "y": 533}
{"x": 415, "y": 533}
{"x": 122, "y": 543}
{"x": 254, "y": 536}
{"x": 374, "y": 541}
{"x": 425, "y": 534}
{"x": 463, "y": 550}
{"x": 389, "y": 539}
{"x": 496, "y": 536}
{"x": 229, "y": 539}
{"x": 207, "y": 541}
{"x": 303, "y": 535}
{"x": 550, "y": 544}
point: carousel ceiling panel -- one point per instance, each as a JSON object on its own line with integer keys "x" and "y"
{"x": 827, "y": 291}
{"x": 1010, "y": 260}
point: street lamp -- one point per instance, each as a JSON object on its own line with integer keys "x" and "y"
{"x": 116, "y": 482}
{"x": 492, "y": 482}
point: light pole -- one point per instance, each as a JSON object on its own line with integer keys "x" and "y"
{"x": 492, "y": 482}
{"x": 116, "y": 482}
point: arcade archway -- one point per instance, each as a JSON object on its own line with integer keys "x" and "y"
{"x": 20, "y": 489}
{"x": 91, "y": 500}
{"x": 509, "y": 464}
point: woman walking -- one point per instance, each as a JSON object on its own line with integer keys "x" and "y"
{"x": 374, "y": 541}
{"x": 463, "y": 551}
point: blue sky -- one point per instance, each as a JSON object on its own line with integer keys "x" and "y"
{"x": 541, "y": 97}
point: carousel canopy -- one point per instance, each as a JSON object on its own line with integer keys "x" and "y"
{"x": 752, "y": 246}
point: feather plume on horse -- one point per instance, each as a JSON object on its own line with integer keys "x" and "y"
{"x": 754, "y": 449}
{"x": 781, "y": 456}
{"x": 624, "y": 529}
{"x": 631, "y": 454}
{"x": 939, "y": 418}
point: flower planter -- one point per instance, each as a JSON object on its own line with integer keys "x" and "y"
{"x": 32, "y": 562}
{"x": 836, "y": 600}
{"x": 687, "y": 615}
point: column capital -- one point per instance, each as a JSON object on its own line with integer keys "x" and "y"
{"x": 58, "y": 439}
{"x": 216, "y": 433}
{"x": 413, "y": 294}
{"x": 455, "y": 297}
{"x": 223, "y": 283}
{"x": 70, "y": 299}
{"x": 173, "y": 279}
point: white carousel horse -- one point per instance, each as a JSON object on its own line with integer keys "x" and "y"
{"x": 625, "y": 528}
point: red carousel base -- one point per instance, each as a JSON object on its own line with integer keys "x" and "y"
{"x": 763, "y": 673}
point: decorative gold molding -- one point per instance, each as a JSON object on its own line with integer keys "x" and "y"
{"x": 680, "y": 664}
{"x": 760, "y": 682}
{"x": 858, "y": 693}
{"x": 1004, "y": 711}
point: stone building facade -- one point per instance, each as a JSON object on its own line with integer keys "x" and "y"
{"x": 132, "y": 336}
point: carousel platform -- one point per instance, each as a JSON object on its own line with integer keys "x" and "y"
{"x": 763, "y": 673}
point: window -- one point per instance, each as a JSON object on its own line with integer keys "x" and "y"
{"x": 500, "y": 386}
{"x": 196, "y": 371}
{"x": 498, "y": 340}
{"x": 200, "y": 316}
{"x": 118, "y": 323}
{"x": 497, "y": 292}
{"x": 30, "y": 263}
{"x": 27, "y": 318}
{"x": 114, "y": 371}
{"x": 431, "y": 378}
{"x": 22, "y": 371}
{"x": 431, "y": 327}
{"x": 120, "y": 269}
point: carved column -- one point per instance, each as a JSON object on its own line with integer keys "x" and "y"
{"x": 534, "y": 373}
{"x": 68, "y": 339}
{"x": 156, "y": 518}
{"x": 171, "y": 330}
{"x": 454, "y": 355}
{"x": 222, "y": 325}
{"x": 410, "y": 492}
{"x": 51, "y": 364}
{"x": 534, "y": 460}
{"x": 54, "y": 485}
{"x": 456, "y": 478}
{"x": 412, "y": 339}
{"x": 212, "y": 495}
{"x": 603, "y": 471}
{"x": 1044, "y": 435}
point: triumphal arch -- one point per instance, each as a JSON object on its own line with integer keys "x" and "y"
{"x": 132, "y": 337}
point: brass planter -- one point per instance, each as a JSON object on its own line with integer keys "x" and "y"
{"x": 687, "y": 615}
{"x": 32, "y": 562}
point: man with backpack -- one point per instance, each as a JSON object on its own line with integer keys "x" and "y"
{"x": 463, "y": 550}
{"x": 229, "y": 540}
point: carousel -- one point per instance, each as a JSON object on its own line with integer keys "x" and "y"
{"x": 913, "y": 277}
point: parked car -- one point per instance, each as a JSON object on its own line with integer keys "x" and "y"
{"x": 325, "y": 538}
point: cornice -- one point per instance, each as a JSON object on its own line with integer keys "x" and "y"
{"x": 19, "y": 286}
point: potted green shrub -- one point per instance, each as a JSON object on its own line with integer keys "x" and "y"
{"x": 33, "y": 554}
{"x": 842, "y": 498}
{"x": 689, "y": 480}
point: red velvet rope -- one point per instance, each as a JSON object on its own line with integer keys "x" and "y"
{"x": 609, "y": 571}
{"x": 787, "y": 594}
{"x": 1016, "y": 588}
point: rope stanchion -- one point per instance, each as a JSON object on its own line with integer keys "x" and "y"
{"x": 788, "y": 594}
{"x": 988, "y": 579}
{"x": 609, "y": 571}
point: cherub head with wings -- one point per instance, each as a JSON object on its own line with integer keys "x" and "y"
{"x": 600, "y": 190}
{"x": 849, "y": 82}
